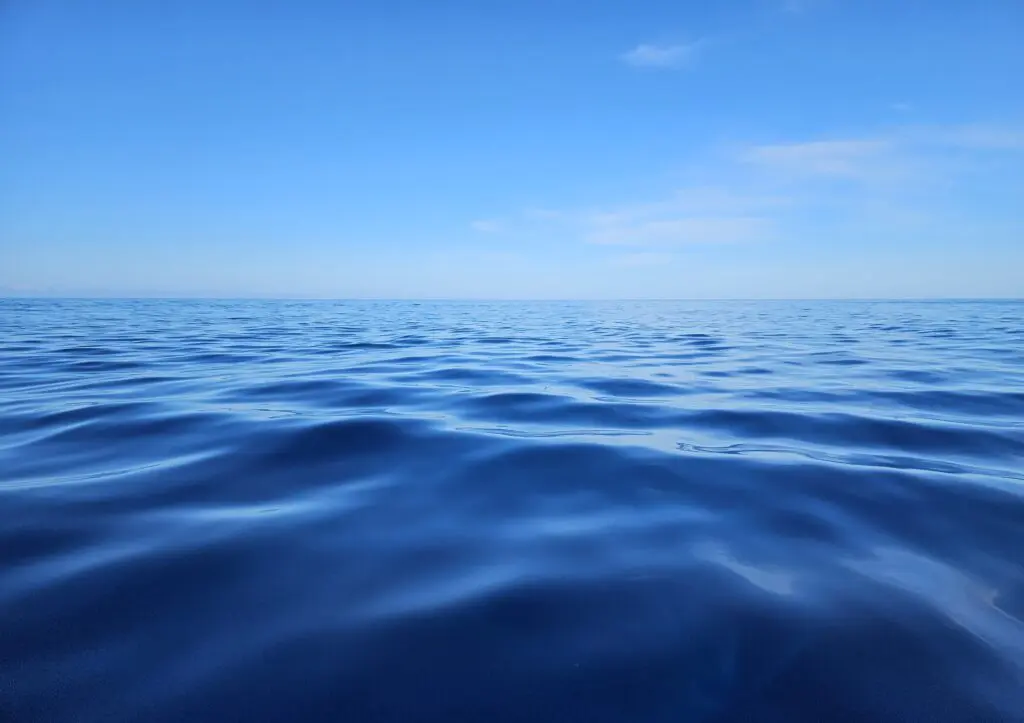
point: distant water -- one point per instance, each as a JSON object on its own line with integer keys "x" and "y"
{"x": 569, "y": 512}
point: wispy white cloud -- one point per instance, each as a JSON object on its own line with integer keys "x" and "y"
{"x": 696, "y": 215}
{"x": 974, "y": 136}
{"x": 487, "y": 225}
{"x": 668, "y": 57}
{"x": 543, "y": 214}
{"x": 676, "y": 231}
{"x": 858, "y": 159}
{"x": 644, "y": 258}
{"x": 698, "y": 201}
{"x": 911, "y": 154}
{"x": 899, "y": 178}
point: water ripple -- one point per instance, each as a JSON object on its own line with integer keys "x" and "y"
{"x": 388, "y": 511}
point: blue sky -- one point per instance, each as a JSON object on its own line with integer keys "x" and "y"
{"x": 484, "y": 148}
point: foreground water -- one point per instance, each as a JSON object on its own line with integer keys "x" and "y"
{"x": 275, "y": 511}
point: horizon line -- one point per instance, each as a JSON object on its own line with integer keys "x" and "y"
{"x": 174, "y": 297}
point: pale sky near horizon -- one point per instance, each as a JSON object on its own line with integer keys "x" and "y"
{"x": 493, "y": 149}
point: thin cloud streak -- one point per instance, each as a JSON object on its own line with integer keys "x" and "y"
{"x": 842, "y": 158}
{"x": 974, "y": 136}
{"x": 690, "y": 216}
{"x": 667, "y": 57}
{"x": 644, "y": 258}
{"x": 898, "y": 179}
{"x": 677, "y": 231}
{"x": 487, "y": 226}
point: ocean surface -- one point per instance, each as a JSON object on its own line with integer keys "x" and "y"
{"x": 715, "y": 512}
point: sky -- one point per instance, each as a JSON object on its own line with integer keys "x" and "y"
{"x": 512, "y": 149}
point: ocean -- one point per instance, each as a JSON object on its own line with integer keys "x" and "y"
{"x": 697, "y": 512}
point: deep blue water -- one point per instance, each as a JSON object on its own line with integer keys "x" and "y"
{"x": 573, "y": 512}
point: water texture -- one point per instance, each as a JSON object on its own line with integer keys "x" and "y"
{"x": 412, "y": 512}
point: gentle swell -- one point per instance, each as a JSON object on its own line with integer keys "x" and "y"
{"x": 386, "y": 511}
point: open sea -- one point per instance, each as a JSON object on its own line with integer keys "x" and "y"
{"x": 447, "y": 512}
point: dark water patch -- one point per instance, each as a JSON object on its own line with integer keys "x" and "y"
{"x": 300, "y": 388}
{"x": 217, "y": 358}
{"x": 718, "y": 373}
{"x": 364, "y": 345}
{"x": 91, "y": 412}
{"x": 840, "y": 361}
{"x": 473, "y": 375}
{"x": 631, "y": 388}
{"x": 614, "y": 358}
{"x": 684, "y": 356}
{"x": 552, "y": 358}
{"x": 794, "y": 394}
{"x": 1008, "y": 403}
{"x": 525, "y": 404}
{"x": 550, "y": 410}
{"x": 859, "y": 459}
{"x": 339, "y": 440}
{"x": 103, "y": 366}
{"x": 83, "y": 351}
{"x": 850, "y": 429}
{"x": 706, "y": 342}
{"x": 920, "y": 376}
{"x": 138, "y": 429}
{"x": 374, "y": 398}
{"x": 415, "y": 360}
{"x": 409, "y": 340}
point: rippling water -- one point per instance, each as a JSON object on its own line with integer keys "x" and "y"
{"x": 376, "y": 511}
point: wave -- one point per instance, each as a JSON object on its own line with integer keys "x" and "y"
{"x": 279, "y": 511}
